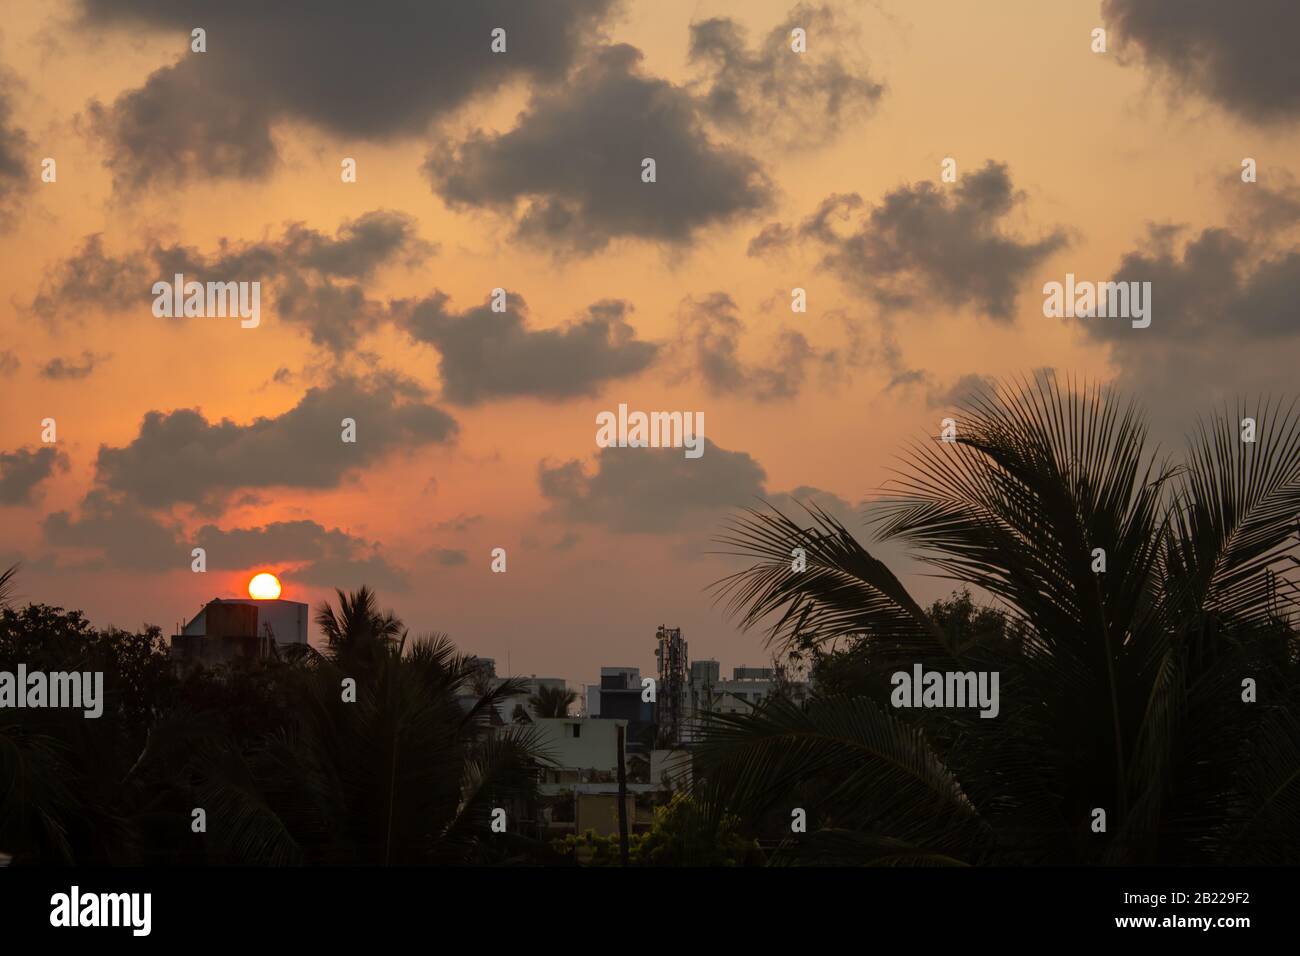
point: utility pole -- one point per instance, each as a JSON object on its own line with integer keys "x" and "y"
{"x": 622, "y": 797}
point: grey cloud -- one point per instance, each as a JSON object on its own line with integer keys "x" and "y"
{"x": 1224, "y": 321}
{"x": 371, "y": 71}
{"x": 61, "y": 369}
{"x": 128, "y": 537}
{"x": 317, "y": 278}
{"x": 9, "y": 363}
{"x": 485, "y": 355}
{"x": 570, "y": 170}
{"x": 658, "y": 491}
{"x": 802, "y": 99}
{"x": 1219, "y": 286}
{"x": 462, "y": 522}
{"x": 1241, "y": 56}
{"x": 92, "y": 278}
{"x": 181, "y": 456}
{"x": 23, "y": 469}
{"x": 929, "y": 244}
{"x": 17, "y": 172}
{"x": 773, "y": 237}
{"x": 653, "y": 490}
{"x": 964, "y": 388}
{"x": 446, "y": 557}
{"x": 325, "y": 557}
{"x": 708, "y": 344}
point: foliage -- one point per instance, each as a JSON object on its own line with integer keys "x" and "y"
{"x": 682, "y": 834}
{"x": 1120, "y": 690}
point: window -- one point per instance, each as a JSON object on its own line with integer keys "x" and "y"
{"x": 577, "y": 730}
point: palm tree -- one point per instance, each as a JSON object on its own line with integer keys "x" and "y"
{"x": 409, "y": 772}
{"x": 7, "y": 585}
{"x": 358, "y": 632}
{"x": 552, "y": 701}
{"x": 1148, "y": 668}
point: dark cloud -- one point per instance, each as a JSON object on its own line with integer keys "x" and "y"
{"x": 445, "y": 557}
{"x": 94, "y": 279}
{"x": 126, "y": 536}
{"x": 709, "y": 333}
{"x": 773, "y": 237}
{"x": 25, "y": 468}
{"x": 658, "y": 491}
{"x": 181, "y": 456}
{"x": 129, "y": 537}
{"x": 933, "y": 244}
{"x": 1220, "y": 285}
{"x": 17, "y": 171}
{"x": 462, "y": 522}
{"x": 360, "y": 71}
{"x": 9, "y": 363}
{"x": 1224, "y": 319}
{"x": 61, "y": 369}
{"x": 317, "y": 279}
{"x": 801, "y": 98}
{"x": 570, "y": 170}
{"x": 322, "y": 557}
{"x": 655, "y": 490}
{"x": 960, "y": 391}
{"x": 1241, "y": 56}
{"x": 485, "y": 355}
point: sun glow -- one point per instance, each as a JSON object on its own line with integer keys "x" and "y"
{"x": 264, "y": 587}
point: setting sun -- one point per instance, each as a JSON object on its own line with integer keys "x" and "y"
{"x": 264, "y": 587}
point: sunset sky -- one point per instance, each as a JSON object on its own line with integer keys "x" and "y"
{"x": 522, "y": 170}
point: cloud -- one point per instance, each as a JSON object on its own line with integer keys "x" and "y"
{"x": 92, "y": 279}
{"x": 659, "y": 491}
{"x": 485, "y": 355}
{"x": 374, "y": 72}
{"x": 653, "y": 490}
{"x": 1243, "y": 58}
{"x": 445, "y": 557}
{"x": 462, "y": 522}
{"x": 801, "y": 98}
{"x": 23, "y": 469}
{"x": 964, "y": 388}
{"x": 320, "y": 557}
{"x": 1223, "y": 319}
{"x": 180, "y": 456}
{"x": 317, "y": 278}
{"x": 708, "y": 347}
{"x": 10, "y": 363}
{"x": 129, "y": 537}
{"x": 61, "y": 369}
{"x": 570, "y": 171}
{"x": 930, "y": 244}
{"x": 126, "y": 536}
{"x": 16, "y": 170}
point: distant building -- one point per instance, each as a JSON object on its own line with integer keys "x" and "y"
{"x": 620, "y": 699}
{"x": 747, "y": 688}
{"x": 228, "y": 630}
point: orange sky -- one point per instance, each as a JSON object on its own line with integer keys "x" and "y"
{"x": 1099, "y": 145}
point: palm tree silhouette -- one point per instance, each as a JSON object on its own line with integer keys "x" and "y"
{"x": 1148, "y": 668}
{"x": 552, "y": 701}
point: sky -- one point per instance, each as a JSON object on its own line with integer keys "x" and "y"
{"x": 1164, "y": 150}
